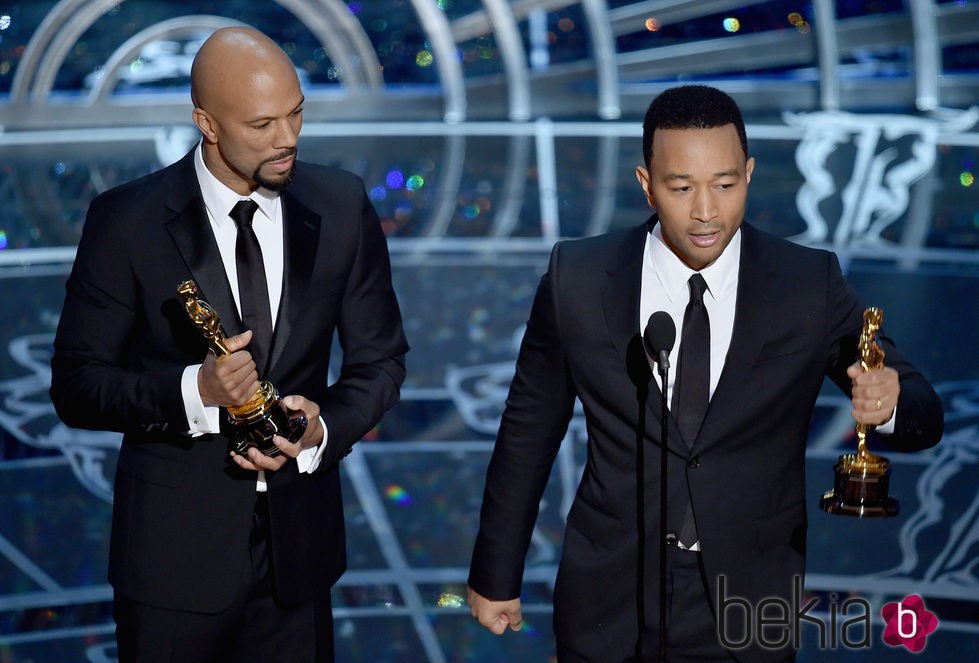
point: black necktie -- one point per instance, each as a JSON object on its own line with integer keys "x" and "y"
{"x": 691, "y": 393}
{"x": 253, "y": 290}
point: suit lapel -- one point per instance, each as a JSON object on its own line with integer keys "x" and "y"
{"x": 191, "y": 233}
{"x": 620, "y": 301}
{"x": 620, "y": 296}
{"x": 754, "y": 308}
{"x": 301, "y": 228}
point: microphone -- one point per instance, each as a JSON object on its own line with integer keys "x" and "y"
{"x": 659, "y": 337}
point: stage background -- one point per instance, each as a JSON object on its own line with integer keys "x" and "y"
{"x": 486, "y": 131}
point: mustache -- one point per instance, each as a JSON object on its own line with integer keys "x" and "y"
{"x": 279, "y": 157}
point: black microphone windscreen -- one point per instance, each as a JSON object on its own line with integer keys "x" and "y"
{"x": 660, "y": 334}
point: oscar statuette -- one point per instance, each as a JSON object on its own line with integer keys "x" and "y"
{"x": 254, "y": 423}
{"x": 861, "y": 479}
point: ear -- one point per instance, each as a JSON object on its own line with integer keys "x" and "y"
{"x": 642, "y": 174}
{"x": 206, "y": 125}
{"x": 749, "y": 168}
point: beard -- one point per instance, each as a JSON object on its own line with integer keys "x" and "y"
{"x": 279, "y": 182}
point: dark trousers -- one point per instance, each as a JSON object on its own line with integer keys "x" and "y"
{"x": 254, "y": 628}
{"x": 691, "y": 629}
{"x": 690, "y": 624}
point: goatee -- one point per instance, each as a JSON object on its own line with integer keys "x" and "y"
{"x": 277, "y": 184}
{"x": 280, "y": 182}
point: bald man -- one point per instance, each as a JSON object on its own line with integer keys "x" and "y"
{"x": 218, "y": 556}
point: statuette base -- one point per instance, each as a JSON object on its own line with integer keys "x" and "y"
{"x": 860, "y": 489}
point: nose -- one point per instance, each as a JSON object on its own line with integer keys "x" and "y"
{"x": 705, "y": 206}
{"x": 287, "y": 133}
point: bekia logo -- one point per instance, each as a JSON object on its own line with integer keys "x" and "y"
{"x": 908, "y": 623}
{"x": 776, "y": 623}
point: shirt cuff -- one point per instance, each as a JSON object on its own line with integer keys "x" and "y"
{"x": 200, "y": 418}
{"x": 887, "y": 428}
{"x": 309, "y": 459}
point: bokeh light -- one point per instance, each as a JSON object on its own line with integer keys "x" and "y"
{"x": 478, "y": 332}
{"x": 4, "y": 22}
{"x": 424, "y": 58}
{"x": 732, "y": 24}
{"x": 3, "y": 239}
{"x": 397, "y": 494}
{"x": 395, "y": 179}
{"x": 415, "y": 182}
{"x": 652, "y": 24}
{"x": 403, "y": 212}
{"x": 801, "y": 24}
{"x": 485, "y": 51}
{"x": 447, "y": 600}
{"x": 966, "y": 178}
{"x": 379, "y": 193}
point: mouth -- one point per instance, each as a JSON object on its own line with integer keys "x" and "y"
{"x": 282, "y": 163}
{"x": 705, "y": 240}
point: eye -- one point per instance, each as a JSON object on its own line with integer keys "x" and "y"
{"x": 261, "y": 125}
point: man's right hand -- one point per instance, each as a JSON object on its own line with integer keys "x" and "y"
{"x": 229, "y": 381}
{"x": 495, "y": 615}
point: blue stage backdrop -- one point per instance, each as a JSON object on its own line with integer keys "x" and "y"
{"x": 485, "y": 131}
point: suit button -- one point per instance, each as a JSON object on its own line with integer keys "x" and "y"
{"x": 694, "y": 463}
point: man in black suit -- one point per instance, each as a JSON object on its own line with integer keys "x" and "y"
{"x": 215, "y": 555}
{"x": 781, "y": 317}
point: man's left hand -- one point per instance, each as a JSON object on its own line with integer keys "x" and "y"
{"x": 256, "y": 460}
{"x": 875, "y": 394}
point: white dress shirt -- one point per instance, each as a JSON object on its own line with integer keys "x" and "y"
{"x": 267, "y": 224}
{"x": 664, "y": 288}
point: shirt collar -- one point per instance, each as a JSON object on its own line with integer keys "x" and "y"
{"x": 219, "y": 199}
{"x": 673, "y": 274}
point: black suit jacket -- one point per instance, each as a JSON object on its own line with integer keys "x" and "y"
{"x": 796, "y": 321}
{"x": 183, "y": 511}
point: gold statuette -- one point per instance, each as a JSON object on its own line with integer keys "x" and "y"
{"x": 254, "y": 423}
{"x": 861, "y": 479}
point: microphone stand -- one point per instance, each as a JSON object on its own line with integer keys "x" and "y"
{"x": 664, "y": 367}
{"x": 657, "y": 342}
{"x": 641, "y": 394}
{"x": 663, "y": 364}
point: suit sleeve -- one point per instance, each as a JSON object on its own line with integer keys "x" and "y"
{"x": 538, "y": 410}
{"x": 96, "y": 382}
{"x": 920, "y": 416}
{"x": 372, "y": 338}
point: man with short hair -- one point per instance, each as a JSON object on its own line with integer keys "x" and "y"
{"x": 773, "y": 319}
{"x": 219, "y": 556}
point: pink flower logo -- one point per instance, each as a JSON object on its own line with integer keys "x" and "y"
{"x": 909, "y": 623}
